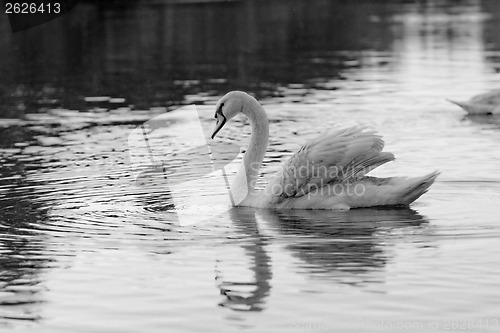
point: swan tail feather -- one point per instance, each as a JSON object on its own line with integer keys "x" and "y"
{"x": 461, "y": 104}
{"x": 474, "y": 108}
{"x": 464, "y": 105}
{"x": 413, "y": 188}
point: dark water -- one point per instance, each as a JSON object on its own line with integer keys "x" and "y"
{"x": 155, "y": 55}
{"x": 84, "y": 247}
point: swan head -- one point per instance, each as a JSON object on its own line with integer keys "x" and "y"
{"x": 228, "y": 107}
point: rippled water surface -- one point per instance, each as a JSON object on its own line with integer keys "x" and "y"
{"x": 87, "y": 248}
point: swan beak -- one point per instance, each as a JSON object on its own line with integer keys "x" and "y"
{"x": 221, "y": 121}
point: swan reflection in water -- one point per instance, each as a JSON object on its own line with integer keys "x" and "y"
{"x": 484, "y": 119}
{"x": 346, "y": 247}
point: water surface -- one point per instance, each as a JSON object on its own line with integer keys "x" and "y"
{"x": 86, "y": 248}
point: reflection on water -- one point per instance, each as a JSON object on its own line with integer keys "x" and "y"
{"x": 83, "y": 242}
{"x": 152, "y": 55}
{"x": 248, "y": 295}
{"x": 346, "y": 248}
{"x": 351, "y": 247}
{"x": 486, "y": 120}
{"x": 23, "y": 258}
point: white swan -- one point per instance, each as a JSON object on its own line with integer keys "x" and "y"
{"x": 326, "y": 173}
{"x": 486, "y": 104}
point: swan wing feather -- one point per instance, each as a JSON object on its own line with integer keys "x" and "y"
{"x": 336, "y": 156}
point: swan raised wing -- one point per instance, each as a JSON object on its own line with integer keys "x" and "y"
{"x": 337, "y": 156}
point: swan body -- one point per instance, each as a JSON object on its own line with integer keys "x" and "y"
{"x": 328, "y": 172}
{"x": 483, "y": 104}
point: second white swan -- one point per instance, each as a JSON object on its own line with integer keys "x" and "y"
{"x": 328, "y": 172}
{"x": 484, "y": 104}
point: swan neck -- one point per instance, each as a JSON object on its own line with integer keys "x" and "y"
{"x": 254, "y": 155}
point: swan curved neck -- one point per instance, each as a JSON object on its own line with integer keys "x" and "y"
{"x": 254, "y": 155}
